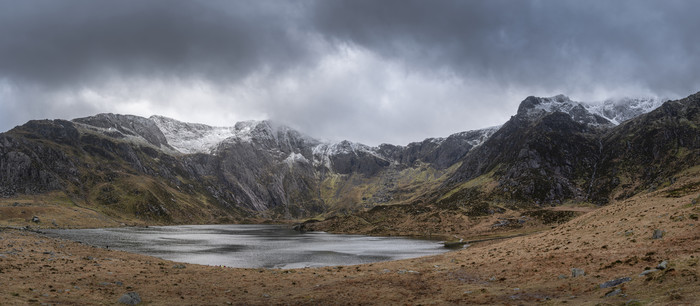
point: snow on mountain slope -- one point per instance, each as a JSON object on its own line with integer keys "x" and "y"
{"x": 189, "y": 138}
{"x": 609, "y": 112}
{"x": 619, "y": 110}
{"x": 323, "y": 151}
{"x": 534, "y": 107}
{"x": 483, "y": 135}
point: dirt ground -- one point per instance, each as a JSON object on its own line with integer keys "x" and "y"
{"x": 608, "y": 243}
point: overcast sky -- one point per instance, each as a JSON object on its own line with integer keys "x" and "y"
{"x": 367, "y": 71}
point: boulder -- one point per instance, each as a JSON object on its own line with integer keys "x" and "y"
{"x": 614, "y": 292}
{"x": 648, "y": 272}
{"x": 130, "y": 298}
{"x": 614, "y": 282}
{"x": 576, "y": 272}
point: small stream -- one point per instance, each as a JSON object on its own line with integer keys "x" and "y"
{"x": 252, "y": 246}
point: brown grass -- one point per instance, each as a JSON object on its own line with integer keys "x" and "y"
{"x": 608, "y": 243}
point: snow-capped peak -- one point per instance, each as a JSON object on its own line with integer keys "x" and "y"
{"x": 609, "y": 112}
{"x": 533, "y": 106}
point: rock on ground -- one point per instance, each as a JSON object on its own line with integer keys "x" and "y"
{"x": 615, "y": 282}
{"x": 130, "y": 298}
{"x": 576, "y": 272}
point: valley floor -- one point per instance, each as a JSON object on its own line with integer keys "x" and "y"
{"x": 609, "y": 243}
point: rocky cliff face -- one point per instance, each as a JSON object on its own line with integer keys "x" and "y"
{"x": 552, "y": 150}
{"x": 555, "y": 150}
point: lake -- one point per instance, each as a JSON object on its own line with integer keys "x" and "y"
{"x": 252, "y": 246}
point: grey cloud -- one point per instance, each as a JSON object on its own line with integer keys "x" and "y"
{"x": 441, "y": 66}
{"x": 560, "y": 44}
{"x": 69, "y": 43}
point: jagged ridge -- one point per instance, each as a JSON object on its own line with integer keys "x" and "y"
{"x": 552, "y": 150}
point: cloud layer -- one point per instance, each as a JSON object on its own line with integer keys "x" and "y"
{"x": 369, "y": 71}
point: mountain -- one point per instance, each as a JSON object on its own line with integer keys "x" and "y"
{"x": 553, "y": 150}
{"x": 147, "y": 167}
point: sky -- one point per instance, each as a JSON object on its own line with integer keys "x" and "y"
{"x": 368, "y": 71}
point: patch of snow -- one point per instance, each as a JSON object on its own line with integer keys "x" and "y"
{"x": 437, "y": 140}
{"x": 322, "y": 152}
{"x": 559, "y": 103}
{"x": 485, "y": 135}
{"x": 609, "y": 112}
{"x": 623, "y": 109}
{"x": 295, "y": 158}
{"x": 189, "y": 138}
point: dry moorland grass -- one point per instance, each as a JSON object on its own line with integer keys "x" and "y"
{"x": 608, "y": 243}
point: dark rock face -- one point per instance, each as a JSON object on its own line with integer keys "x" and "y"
{"x": 441, "y": 153}
{"x": 536, "y": 159}
{"x": 547, "y": 157}
{"x": 120, "y": 125}
{"x": 652, "y": 147}
{"x": 28, "y": 166}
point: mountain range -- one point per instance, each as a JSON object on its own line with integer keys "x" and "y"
{"x": 552, "y": 151}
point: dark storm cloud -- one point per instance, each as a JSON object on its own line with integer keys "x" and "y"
{"x": 338, "y": 69}
{"x": 61, "y": 43}
{"x": 539, "y": 44}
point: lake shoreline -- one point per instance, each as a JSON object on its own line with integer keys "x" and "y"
{"x": 251, "y": 245}
{"x": 606, "y": 244}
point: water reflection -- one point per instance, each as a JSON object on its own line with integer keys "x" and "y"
{"x": 252, "y": 246}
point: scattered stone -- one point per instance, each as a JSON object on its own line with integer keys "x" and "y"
{"x": 658, "y": 234}
{"x": 663, "y": 265}
{"x": 408, "y": 272}
{"x": 648, "y": 272}
{"x": 576, "y": 272}
{"x": 629, "y": 233}
{"x": 130, "y": 298}
{"x": 179, "y": 266}
{"x": 633, "y": 302}
{"x": 614, "y": 292}
{"x": 35, "y": 219}
{"x": 265, "y": 295}
{"x": 386, "y": 271}
{"x": 562, "y": 276}
{"x": 614, "y": 282}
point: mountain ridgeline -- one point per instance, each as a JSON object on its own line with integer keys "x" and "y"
{"x": 157, "y": 169}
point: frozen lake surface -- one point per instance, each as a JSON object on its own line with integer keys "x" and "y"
{"x": 252, "y": 246}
